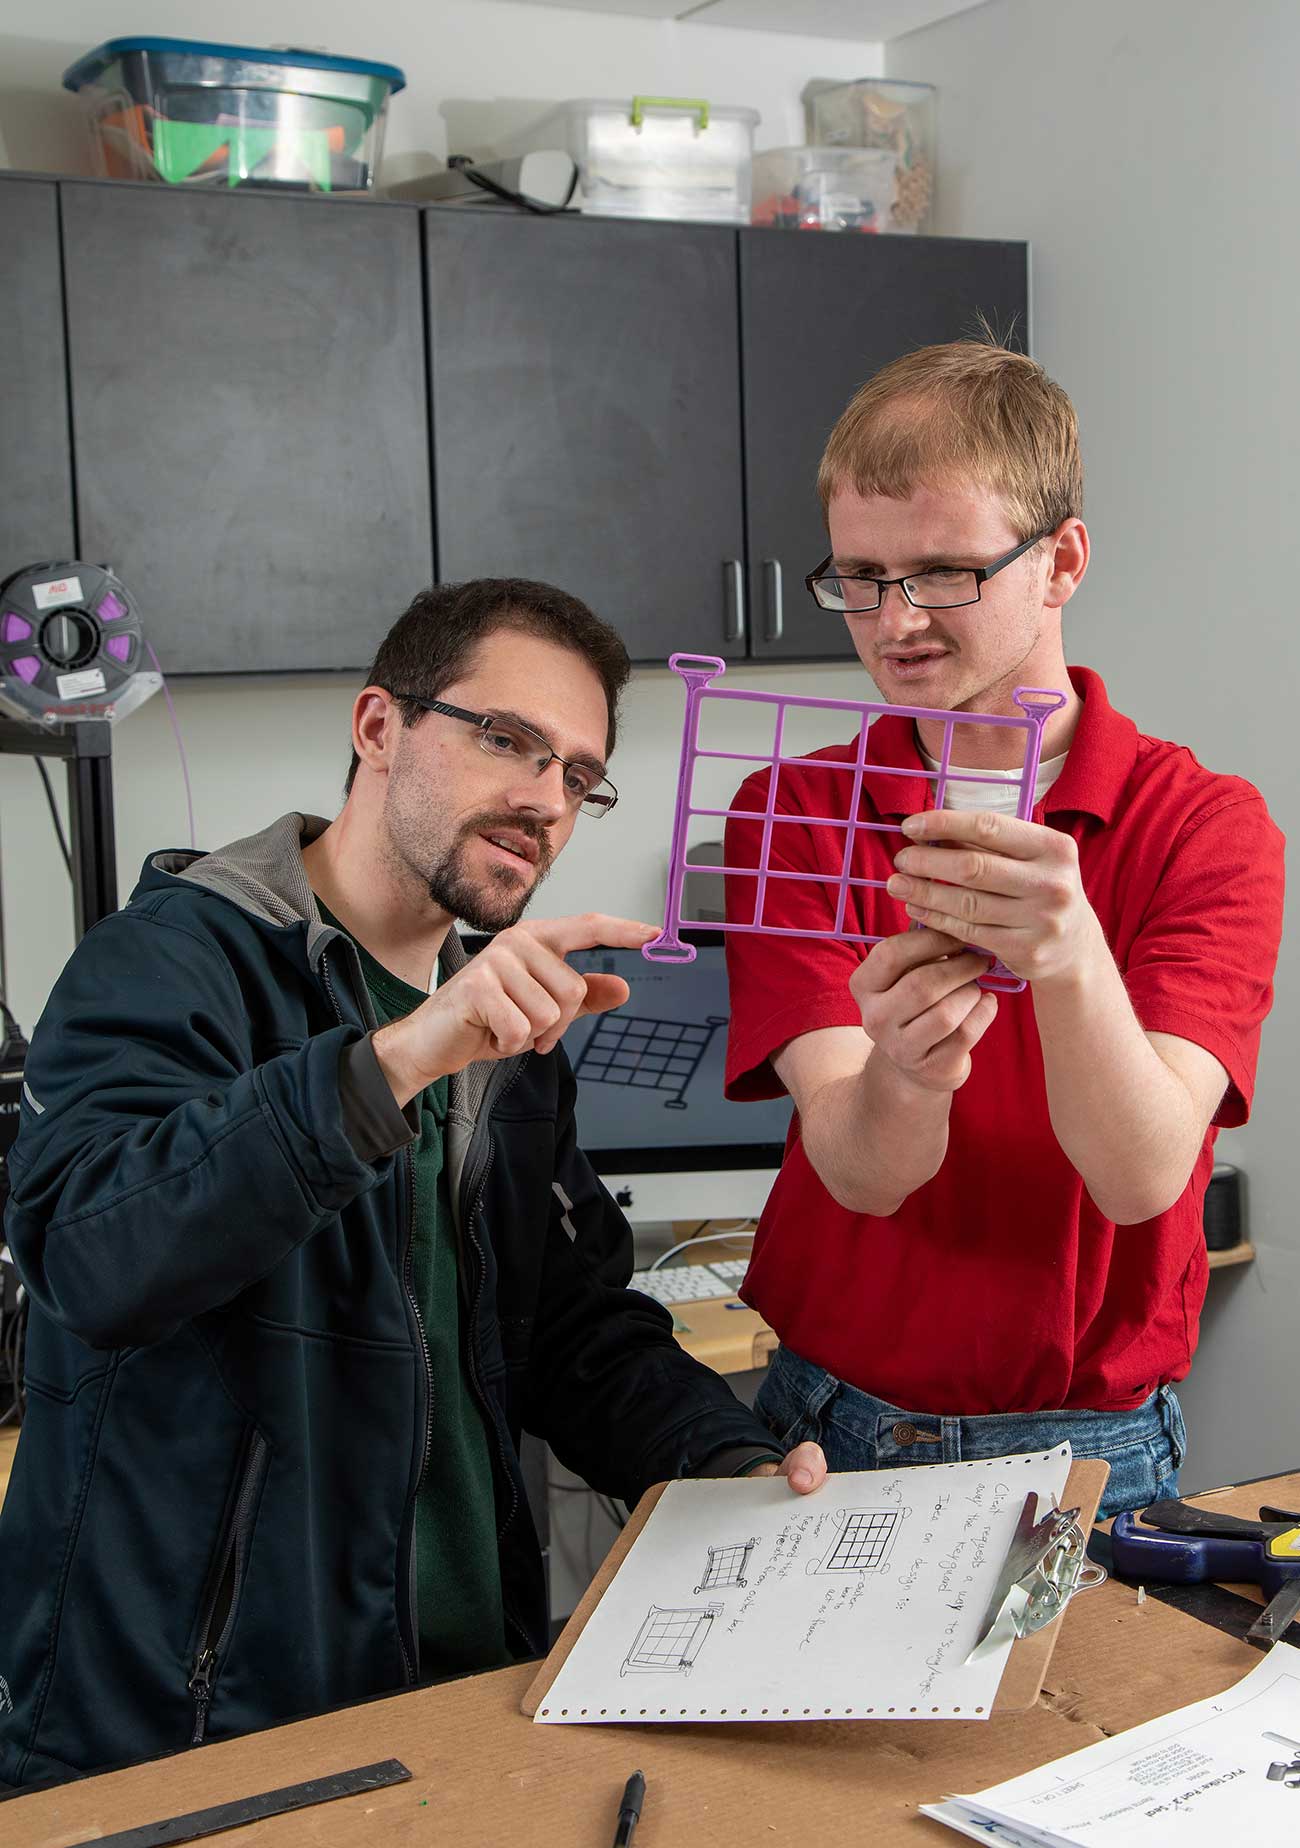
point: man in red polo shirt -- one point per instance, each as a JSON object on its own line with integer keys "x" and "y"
{"x": 986, "y": 1233}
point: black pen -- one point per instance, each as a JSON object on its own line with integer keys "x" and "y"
{"x": 629, "y": 1810}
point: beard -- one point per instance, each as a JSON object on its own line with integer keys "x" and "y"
{"x": 501, "y": 900}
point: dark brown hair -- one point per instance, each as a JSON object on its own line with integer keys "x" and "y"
{"x": 429, "y": 646}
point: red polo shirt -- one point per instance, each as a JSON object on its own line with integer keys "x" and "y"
{"x": 998, "y": 1286}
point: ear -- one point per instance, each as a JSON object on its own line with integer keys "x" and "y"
{"x": 375, "y": 723}
{"x": 1068, "y": 555}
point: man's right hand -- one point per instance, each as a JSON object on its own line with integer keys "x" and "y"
{"x": 518, "y": 994}
{"x": 921, "y": 1008}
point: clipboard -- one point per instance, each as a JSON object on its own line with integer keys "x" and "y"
{"x": 1026, "y": 1667}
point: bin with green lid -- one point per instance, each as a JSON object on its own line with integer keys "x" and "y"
{"x": 652, "y": 156}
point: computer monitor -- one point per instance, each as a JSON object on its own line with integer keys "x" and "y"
{"x": 652, "y": 1116}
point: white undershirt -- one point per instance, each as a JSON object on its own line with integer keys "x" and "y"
{"x": 1001, "y": 796}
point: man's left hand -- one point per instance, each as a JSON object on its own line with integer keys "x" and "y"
{"x": 1011, "y": 887}
{"x": 805, "y": 1467}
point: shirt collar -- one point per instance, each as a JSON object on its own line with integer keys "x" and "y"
{"x": 1097, "y": 766}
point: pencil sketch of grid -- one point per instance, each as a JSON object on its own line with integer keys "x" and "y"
{"x": 669, "y": 1640}
{"x": 1036, "y": 706}
{"x": 863, "y": 1542}
{"x": 726, "y": 1566}
{"x": 646, "y": 1055}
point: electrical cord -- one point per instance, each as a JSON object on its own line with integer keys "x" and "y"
{"x": 55, "y": 817}
{"x": 743, "y": 1229}
{"x": 463, "y": 163}
{"x": 12, "y": 1330}
{"x": 176, "y": 733}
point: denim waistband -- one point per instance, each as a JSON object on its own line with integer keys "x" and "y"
{"x": 800, "y": 1394}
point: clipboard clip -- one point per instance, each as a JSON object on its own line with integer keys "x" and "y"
{"x": 1046, "y": 1564}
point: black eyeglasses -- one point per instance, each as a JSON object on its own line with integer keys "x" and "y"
{"x": 586, "y": 787}
{"x": 942, "y": 587}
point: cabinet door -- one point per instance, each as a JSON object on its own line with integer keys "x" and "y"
{"x": 821, "y": 312}
{"x": 587, "y": 417}
{"x": 249, "y": 418}
{"x": 35, "y": 462}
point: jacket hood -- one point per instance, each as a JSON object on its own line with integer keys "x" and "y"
{"x": 264, "y": 875}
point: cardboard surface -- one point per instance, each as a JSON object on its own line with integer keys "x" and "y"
{"x": 483, "y": 1774}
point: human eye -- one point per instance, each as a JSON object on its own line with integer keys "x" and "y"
{"x": 502, "y": 741}
{"x": 578, "y": 782}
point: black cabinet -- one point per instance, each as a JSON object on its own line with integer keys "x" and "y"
{"x": 586, "y": 417}
{"x": 631, "y": 410}
{"x": 614, "y": 403}
{"x": 250, "y": 418}
{"x": 35, "y": 460}
{"x": 820, "y": 314}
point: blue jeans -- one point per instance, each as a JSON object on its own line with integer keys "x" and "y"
{"x": 1144, "y": 1446}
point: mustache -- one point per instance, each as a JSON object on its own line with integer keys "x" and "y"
{"x": 514, "y": 824}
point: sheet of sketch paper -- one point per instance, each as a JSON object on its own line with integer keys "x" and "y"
{"x": 741, "y": 1601}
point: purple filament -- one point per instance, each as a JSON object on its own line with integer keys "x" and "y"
{"x": 696, "y": 671}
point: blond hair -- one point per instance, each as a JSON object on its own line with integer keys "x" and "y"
{"x": 970, "y": 411}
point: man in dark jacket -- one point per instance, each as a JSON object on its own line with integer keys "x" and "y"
{"x": 310, "y": 1240}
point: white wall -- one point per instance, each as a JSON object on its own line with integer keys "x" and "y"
{"x": 258, "y": 747}
{"x": 471, "y": 66}
{"x": 262, "y": 745}
{"x": 1149, "y": 152}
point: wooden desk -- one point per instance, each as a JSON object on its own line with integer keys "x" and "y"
{"x": 724, "y": 1334}
{"x": 484, "y": 1775}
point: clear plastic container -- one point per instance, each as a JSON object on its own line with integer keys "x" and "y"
{"x": 874, "y": 112}
{"x": 824, "y": 189}
{"x": 652, "y": 156}
{"x": 199, "y": 114}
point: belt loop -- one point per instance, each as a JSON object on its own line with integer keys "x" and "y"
{"x": 822, "y": 1393}
{"x": 951, "y": 1430}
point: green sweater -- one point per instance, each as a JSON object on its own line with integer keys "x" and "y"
{"x": 458, "y": 1580}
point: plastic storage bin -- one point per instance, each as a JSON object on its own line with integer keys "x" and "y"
{"x": 824, "y": 189}
{"x": 894, "y": 117}
{"x": 652, "y": 157}
{"x": 198, "y": 114}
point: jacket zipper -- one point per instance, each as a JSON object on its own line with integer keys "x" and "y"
{"x": 219, "y": 1615}
{"x": 408, "y": 1270}
{"x": 489, "y": 1415}
{"x": 476, "y": 1381}
{"x": 408, "y": 1162}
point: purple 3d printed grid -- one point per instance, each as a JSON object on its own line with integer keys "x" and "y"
{"x": 1036, "y": 704}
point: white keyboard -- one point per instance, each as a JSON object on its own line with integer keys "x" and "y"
{"x": 691, "y": 1283}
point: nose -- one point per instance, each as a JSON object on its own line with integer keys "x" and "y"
{"x": 896, "y": 619}
{"x": 541, "y": 794}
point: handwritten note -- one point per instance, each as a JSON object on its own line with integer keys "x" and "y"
{"x": 740, "y": 1601}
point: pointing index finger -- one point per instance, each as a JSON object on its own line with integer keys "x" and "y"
{"x": 593, "y": 930}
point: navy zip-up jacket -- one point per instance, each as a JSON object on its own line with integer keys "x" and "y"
{"x": 210, "y": 1524}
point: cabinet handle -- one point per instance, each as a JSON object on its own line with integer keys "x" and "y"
{"x": 775, "y": 600}
{"x": 733, "y": 628}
